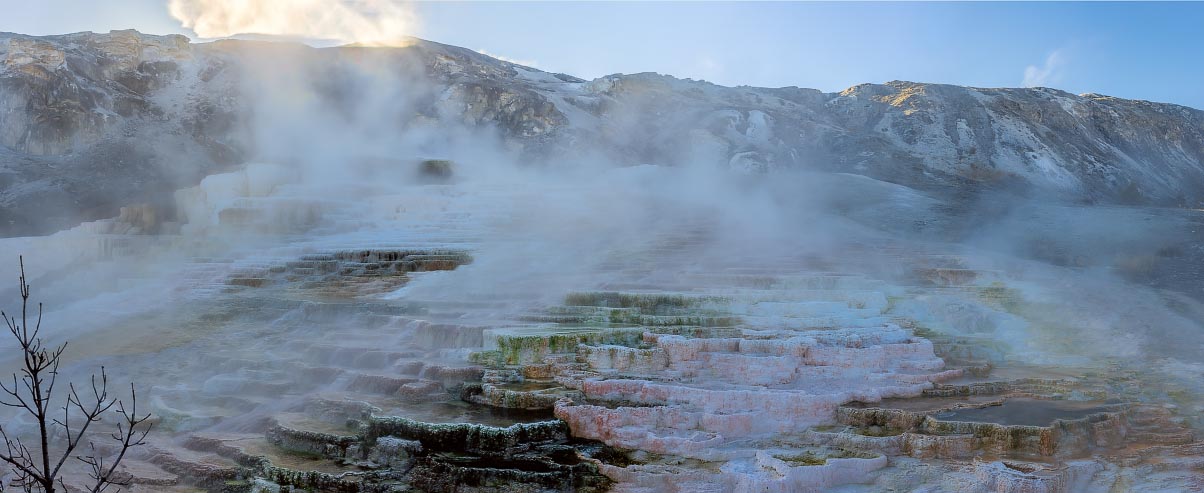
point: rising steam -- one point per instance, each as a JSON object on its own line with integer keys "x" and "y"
{"x": 366, "y": 22}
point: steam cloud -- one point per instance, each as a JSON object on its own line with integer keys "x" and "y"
{"x": 366, "y": 22}
{"x": 1047, "y": 74}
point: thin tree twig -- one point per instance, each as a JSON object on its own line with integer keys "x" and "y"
{"x": 32, "y": 390}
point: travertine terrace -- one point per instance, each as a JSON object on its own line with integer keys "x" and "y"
{"x": 364, "y": 356}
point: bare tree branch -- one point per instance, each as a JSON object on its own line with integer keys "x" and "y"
{"x": 32, "y": 391}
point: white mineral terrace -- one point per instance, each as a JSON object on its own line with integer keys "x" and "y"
{"x": 288, "y": 329}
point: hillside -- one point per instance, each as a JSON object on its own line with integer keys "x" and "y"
{"x": 91, "y": 122}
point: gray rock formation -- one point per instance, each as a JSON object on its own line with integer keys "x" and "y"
{"x": 92, "y": 122}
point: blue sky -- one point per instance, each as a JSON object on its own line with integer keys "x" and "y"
{"x": 1151, "y": 51}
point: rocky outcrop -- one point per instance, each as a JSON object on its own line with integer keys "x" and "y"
{"x": 61, "y": 92}
{"x": 90, "y": 123}
{"x": 924, "y": 135}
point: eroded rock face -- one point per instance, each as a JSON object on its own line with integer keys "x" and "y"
{"x": 90, "y": 123}
{"x": 62, "y": 93}
{"x": 1088, "y": 145}
{"x": 87, "y": 118}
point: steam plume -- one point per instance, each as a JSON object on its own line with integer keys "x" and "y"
{"x": 367, "y": 22}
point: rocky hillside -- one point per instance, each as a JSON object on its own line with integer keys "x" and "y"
{"x": 91, "y": 122}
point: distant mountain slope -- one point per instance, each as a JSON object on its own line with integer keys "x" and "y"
{"x": 91, "y": 122}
